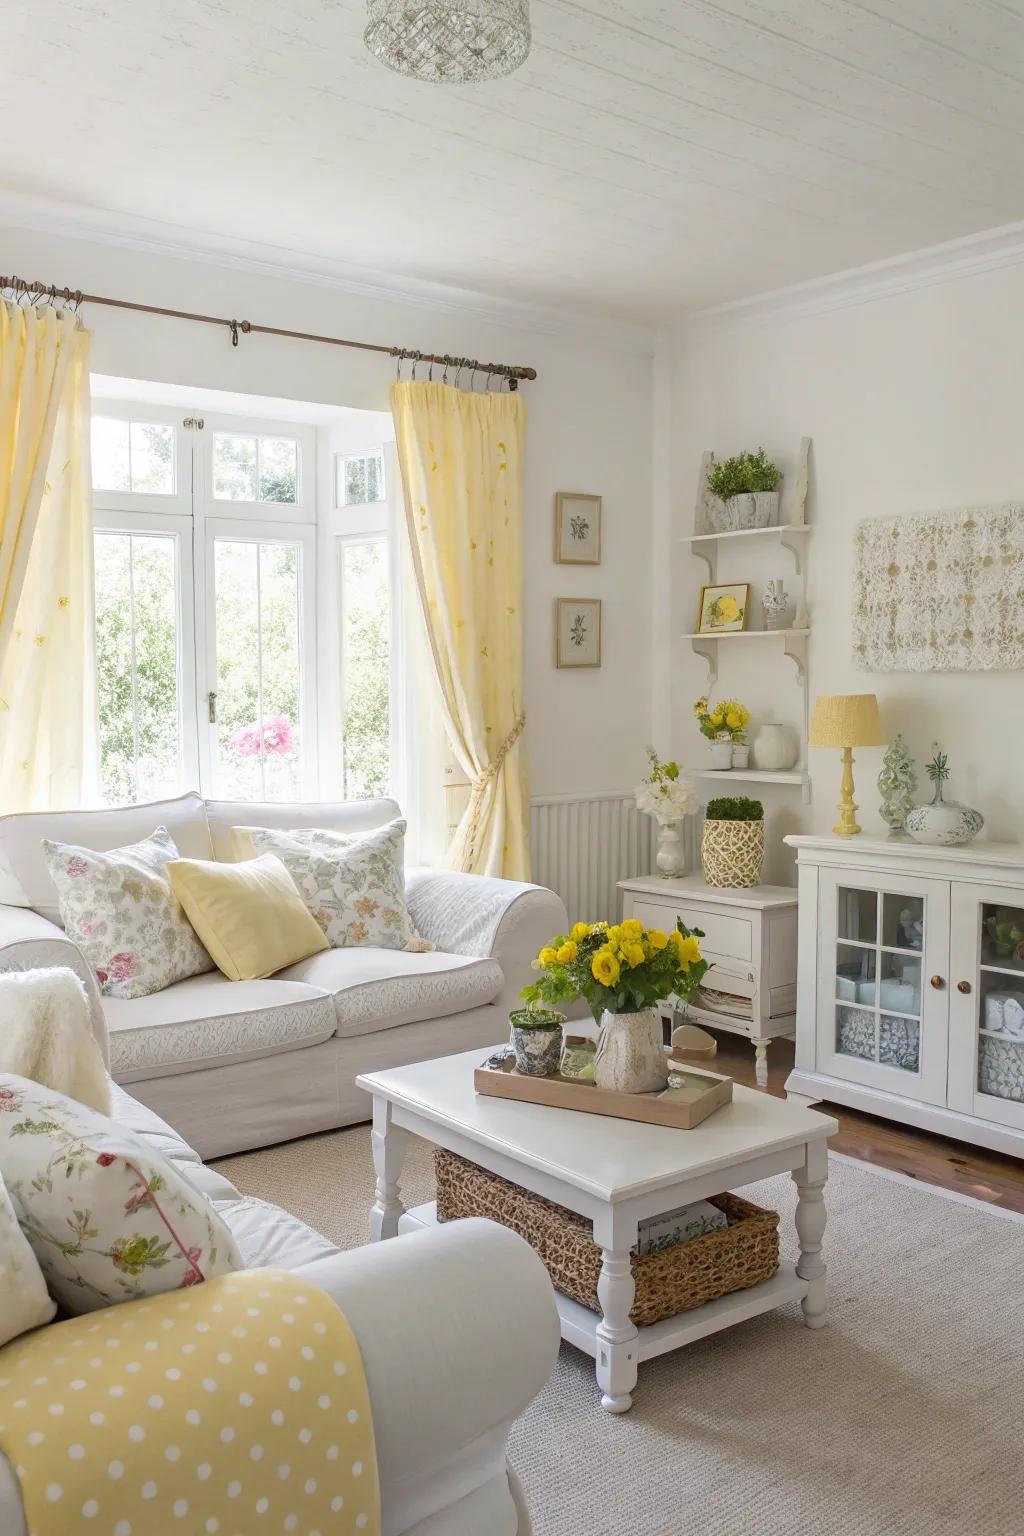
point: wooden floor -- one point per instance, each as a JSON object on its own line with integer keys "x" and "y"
{"x": 932, "y": 1159}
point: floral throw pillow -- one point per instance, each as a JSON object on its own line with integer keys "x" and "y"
{"x": 107, "y": 1218}
{"x": 24, "y": 1300}
{"x": 119, "y": 909}
{"x": 354, "y": 885}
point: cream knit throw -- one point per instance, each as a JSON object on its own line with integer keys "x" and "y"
{"x": 46, "y": 1035}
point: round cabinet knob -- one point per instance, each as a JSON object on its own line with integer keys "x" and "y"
{"x": 938, "y": 982}
{"x": 963, "y": 986}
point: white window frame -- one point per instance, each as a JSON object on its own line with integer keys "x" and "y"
{"x": 341, "y": 459}
{"x": 302, "y": 510}
{"x": 178, "y": 503}
{"x": 238, "y": 531}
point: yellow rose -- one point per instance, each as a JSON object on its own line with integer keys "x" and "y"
{"x": 716, "y": 718}
{"x": 733, "y": 719}
{"x": 632, "y": 929}
{"x": 633, "y": 954}
{"x": 567, "y": 954}
{"x": 687, "y": 950}
{"x": 547, "y": 956}
{"x": 579, "y": 932}
{"x": 614, "y": 935}
{"x": 656, "y": 939}
{"x": 605, "y": 968}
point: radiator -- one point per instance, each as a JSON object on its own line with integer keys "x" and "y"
{"x": 583, "y": 845}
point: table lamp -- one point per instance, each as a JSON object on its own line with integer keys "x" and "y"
{"x": 846, "y": 720}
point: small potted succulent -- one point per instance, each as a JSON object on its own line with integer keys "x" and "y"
{"x": 747, "y": 491}
{"x": 732, "y": 844}
{"x": 537, "y": 1039}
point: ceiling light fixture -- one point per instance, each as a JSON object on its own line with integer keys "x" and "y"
{"x": 451, "y": 41}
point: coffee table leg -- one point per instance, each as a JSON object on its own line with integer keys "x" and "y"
{"x": 810, "y": 1229}
{"x": 389, "y": 1142}
{"x": 617, "y": 1357}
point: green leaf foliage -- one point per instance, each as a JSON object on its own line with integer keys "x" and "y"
{"x": 734, "y": 808}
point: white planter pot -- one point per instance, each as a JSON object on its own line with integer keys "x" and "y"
{"x": 745, "y": 509}
{"x": 671, "y": 859}
{"x": 740, "y": 755}
{"x": 766, "y": 509}
{"x": 721, "y": 754}
{"x": 775, "y": 748}
{"x": 630, "y": 1055}
{"x": 723, "y": 514}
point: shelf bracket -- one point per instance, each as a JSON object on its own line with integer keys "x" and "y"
{"x": 794, "y": 545}
{"x": 710, "y": 560}
{"x": 709, "y": 651}
{"x": 795, "y": 647}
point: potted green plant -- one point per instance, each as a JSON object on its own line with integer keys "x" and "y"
{"x": 732, "y": 843}
{"x": 725, "y": 727}
{"x": 746, "y": 488}
{"x": 623, "y": 970}
{"x": 536, "y": 1035}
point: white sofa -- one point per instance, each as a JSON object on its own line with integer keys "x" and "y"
{"x": 458, "y": 1332}
{"x": 243, "y": 1064}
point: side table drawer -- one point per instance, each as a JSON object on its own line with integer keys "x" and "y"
{"x": 722, "y": 934}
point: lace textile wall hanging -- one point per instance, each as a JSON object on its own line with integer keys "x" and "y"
{"x": 942, "y": 592}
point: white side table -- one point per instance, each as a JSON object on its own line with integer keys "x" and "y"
{"x": 750, "y": 940}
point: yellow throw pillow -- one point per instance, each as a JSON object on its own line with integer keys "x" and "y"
{"x": 250, "y": 916}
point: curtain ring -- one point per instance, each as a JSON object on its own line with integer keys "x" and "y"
{"x": 415, "y": 359}
{"x": 444, "y": 376}
{"x": 234, "y": 332}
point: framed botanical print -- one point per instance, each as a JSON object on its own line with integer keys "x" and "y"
{"x": 577, "y": 632}
{"x": 723, "y": 609}
{"x": 577, "y": 528}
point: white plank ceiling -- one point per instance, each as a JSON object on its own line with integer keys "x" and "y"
{"x": 652, "y": 158}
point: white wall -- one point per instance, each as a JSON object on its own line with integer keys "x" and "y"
{"x": 915, "y": 403}
{"x": 589, "y": 429}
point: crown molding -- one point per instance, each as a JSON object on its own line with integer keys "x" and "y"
{"x": 967, "y": 256}
{"x": 157, "y": 238}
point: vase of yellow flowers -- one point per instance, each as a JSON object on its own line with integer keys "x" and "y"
{"x": 622, "y": 970}
{"x": 725, "y": 727}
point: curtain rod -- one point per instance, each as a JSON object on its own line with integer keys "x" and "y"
{"x": 37, "y": 292}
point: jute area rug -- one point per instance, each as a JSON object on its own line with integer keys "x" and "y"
{"x": 903, "y": 1417}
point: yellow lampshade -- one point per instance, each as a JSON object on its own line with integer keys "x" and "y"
{"x": 846, "y": 720}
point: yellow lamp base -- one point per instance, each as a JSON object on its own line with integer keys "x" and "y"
{"x": 847, "y": 825}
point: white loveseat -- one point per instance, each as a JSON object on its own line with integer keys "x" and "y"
{"x": 457, "y": 1329}
{"x": 240, "y": 1064}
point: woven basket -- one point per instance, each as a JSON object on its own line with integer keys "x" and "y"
{"x": 732, "y": 852}
{"x": 675, "y": 1280}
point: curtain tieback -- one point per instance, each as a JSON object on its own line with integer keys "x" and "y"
{"x": 496, "y": 763}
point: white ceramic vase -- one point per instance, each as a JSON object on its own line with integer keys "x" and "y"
{"x": 721, "y": 753}
{"x": 944, "y": 823}
{"x": 670, "y": 859}
{"x": 630, "y": 1054}
{"x": 775, "y": 748}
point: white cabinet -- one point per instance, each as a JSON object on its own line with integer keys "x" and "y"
{"x": 750, "y": 942}
{"x": 910, "y": 996}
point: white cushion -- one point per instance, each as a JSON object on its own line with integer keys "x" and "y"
{"x": 108, "y": 1218}
{"x": 209, "y": 1020}
{"x": 24, "y": 876}
{"x": 334, "y": 816}
{"x": 376, "y": 989}
{"x": 144, "y": 1122}
{"x": 24, "y": 1300}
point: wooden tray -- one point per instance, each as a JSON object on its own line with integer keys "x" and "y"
{"x": 569, "y": 1093}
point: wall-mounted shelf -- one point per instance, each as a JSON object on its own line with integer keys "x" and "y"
{"x": 794, "y": 645}
{"x": 745, "y": 533}
{"x": 747, "y": 634}
{"x": 756, "y": 776}
{"x": 790, "y": 535}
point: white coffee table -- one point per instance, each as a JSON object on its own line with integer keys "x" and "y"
{"x": 616, "y": 1173}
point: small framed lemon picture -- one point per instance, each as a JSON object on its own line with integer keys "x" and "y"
{"x": 723, "y": 610}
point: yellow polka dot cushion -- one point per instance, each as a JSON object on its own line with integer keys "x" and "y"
{"x": 237, "y": 1408}
{"x": 107, "y": 1218}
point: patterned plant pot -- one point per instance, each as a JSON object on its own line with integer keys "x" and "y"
{"x": 766, "y": 509}
{"x": 732, "y": 852}
{"x": 538, "y": 1047}
{"x": 746, "y": 509}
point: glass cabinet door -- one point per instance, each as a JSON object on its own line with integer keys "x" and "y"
{"x": 882, "y": 1020}
{"x": 987, "y": 1003}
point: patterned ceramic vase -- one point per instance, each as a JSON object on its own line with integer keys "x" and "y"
{"x": 538, "y": 1047}
{"x": 732, "y": 852}
{"x": 630, "y": 1055}
{"x": 944, "y": 822}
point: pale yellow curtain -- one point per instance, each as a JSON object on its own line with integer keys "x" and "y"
{"x": 47, "y": 675}
{"x": 461, "y": 456}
